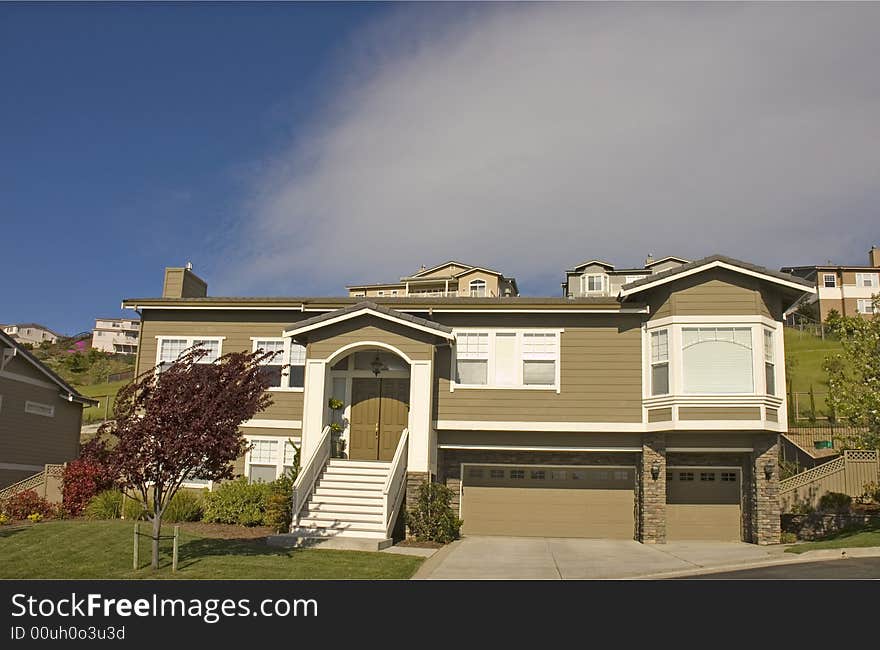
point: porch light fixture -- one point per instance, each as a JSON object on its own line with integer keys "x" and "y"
{"x": 768, "y": 471}
{"x": 655, "y": 470}
{"x": 377, "y": 366}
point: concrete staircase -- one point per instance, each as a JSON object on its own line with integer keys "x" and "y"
{"x": 346, "y": 505}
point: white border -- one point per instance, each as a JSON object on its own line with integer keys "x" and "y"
{"x": 368, "y": 312}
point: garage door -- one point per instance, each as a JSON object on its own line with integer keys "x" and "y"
{"x": 703, "y": 504}
{"x": 539, "y": 501}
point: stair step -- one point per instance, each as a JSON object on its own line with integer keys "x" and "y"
{"x": 344, "y": 470}
{"x": 344, "y": 484}
{"x": 325, "y": 532}
{"x": 342, "y": 525}
{"x": 340, "y": 517}
{"x": 372, "y": 464}
{"x": 359, "y": 500}
{"x": 345, "y": 506}
{"x": 361, "y": 479}
{"x": 324, "y": 491}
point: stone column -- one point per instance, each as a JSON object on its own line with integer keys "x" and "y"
{"x": 652, "y": 492}
{"x": 766, "y": 512}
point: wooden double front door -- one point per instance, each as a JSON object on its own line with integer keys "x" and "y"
{"x": 379, "y": 414}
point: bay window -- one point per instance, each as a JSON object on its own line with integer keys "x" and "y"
{"x": 507, "y": 359}
{"x": 769, "y": 363}
{"x": 286, "y": 368}
{"x": 717, "y": 360}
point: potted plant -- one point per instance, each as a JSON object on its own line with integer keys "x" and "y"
{"x": 336, "y": 428}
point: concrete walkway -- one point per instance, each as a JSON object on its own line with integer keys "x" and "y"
{"x": 535, "y": 558}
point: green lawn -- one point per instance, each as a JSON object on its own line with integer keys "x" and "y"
{"x": 84, "y": 549}
{"x": 858, "y": 539}
{"x": 808, "y": 353}
{"x": 101, "y": 393}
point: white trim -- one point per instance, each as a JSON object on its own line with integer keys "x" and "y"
{"x": 5, "y": 374}
{"x": 29, "y": 407}
{"x": 279, "y": 459}
{"x": 286, "y": 353}
{"x": 712, "y": 265}
{"x": 461, "y": 310}
{"x": 709, "y": 449}
{"x": 724, "y": 467}
{"x": 489, "y": 425}
{"x": 370, "y": 312}
{"x": 345, "y": 349}
{"x": 17, "y": 467}
{"x": 273, "y": 424}
{"x": 527, "y": 448}
{"x": 712, "y": 320}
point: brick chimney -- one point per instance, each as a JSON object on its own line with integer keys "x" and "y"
{"x": 181, "y": 282}
{"x": 874, "y": 256}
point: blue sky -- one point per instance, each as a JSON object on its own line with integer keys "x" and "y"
{"x": 287, "y": 149}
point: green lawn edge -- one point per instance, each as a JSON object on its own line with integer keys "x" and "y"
{"x": 860, "y": 539}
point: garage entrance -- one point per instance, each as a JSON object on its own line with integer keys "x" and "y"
{"x": 548, "y": 501}
{"x": 704, "y": 503}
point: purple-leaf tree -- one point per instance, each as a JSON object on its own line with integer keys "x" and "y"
{"x": 181, "y": 421}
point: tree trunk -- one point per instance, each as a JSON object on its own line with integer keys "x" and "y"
{"x": 157, "y": 527}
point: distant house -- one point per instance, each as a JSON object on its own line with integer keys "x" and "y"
{"x": 850, "y": 290}
{"x": 447, "y": 280}
{"x": 32, "y": 333}
{"x": 40, "y": 414}
{"x": 116, "y": 335}
{"x": 597, "y": 279}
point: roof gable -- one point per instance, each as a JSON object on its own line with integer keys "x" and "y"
{"x": 367, "y": 308}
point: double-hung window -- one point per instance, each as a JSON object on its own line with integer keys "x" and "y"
{"x": 660, "y": 362}
{"x": 477, "y": 288}
{"x": 868, "y": 280}
{"x": 717, "y": 360}
{"x": 592, "y": 283}
{"x": 172, "y": 348}
{"x": 829, "y": 280}
{"x": 286, "y": 368}
{"x": 507, "y": 359}
{"x": 865, "y": 306}
{"x": 769, "y": 363}
{"x": 263, "y": 465}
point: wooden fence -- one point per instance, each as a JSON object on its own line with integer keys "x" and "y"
{"x": 847, "y": 474}
{"x": 46, "y": 484}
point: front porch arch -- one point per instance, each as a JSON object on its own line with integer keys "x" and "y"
{"x": 350, "y": 348}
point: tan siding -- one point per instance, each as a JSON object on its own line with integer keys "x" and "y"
{"x": 718, "y": 413}
{"x": 173, "y": 287}
{"x": 275, "y": 433}
{"x": 601, "y": 375}
{"x": 18, "y": 365}
{"x": 714, "y": 292}
{"x": 192, "y": 287}
{"x": 34, "y": 439}
{"x": 538, "y": 439}
{"x": 285, "y": 406}
{"x": 413, "y": 343}
{"x": 465, "y": 280}
{"x": 710, "y": 439}
{"x": 660, "y": 415}
{"x": 773, "y": 415}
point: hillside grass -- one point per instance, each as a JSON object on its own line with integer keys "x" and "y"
{"x": 805, "y": 354}
{"x": 103, "y": 393}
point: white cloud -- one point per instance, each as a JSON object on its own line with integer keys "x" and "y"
{"x": 530, "y": 137}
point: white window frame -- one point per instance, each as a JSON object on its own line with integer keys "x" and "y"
{"x": 585, "y": 283}
{"x": 865, "y": 306}
{"x": 478, "y": 288}
{"x": 768, "y": 344}
{"x": 491, "y": 359}
{"x": 873, "y": 277}
{"x": 825, "y": 278}
{"x": 285, "y": 361}
{"x": 38, "y": 408}
{"x": 190, "y": 341}
{"x": 754, "y": 350}
{"x": 279, "y": 452}
{"x": 665, "y": 361}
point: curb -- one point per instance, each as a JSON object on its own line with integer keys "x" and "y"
{"x": 430, "y": 565}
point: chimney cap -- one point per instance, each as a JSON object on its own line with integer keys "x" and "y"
{"x": 189, "y": 266}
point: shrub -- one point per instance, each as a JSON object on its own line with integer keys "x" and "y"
{"x": 105, "y": 505}
{"x": 4, "y": 519}
{"x": 787, "y": 538}
{"x": 871, "y": 493}
{"x": 86, "y": 476}
{"x": 835, "y": 502}
{"x": 802, "y": 509}
{"x": 432, "y": 518}
{"x": 35, "y": 517}
{"x": 20, "y": 505}
{"x": 238, "y": 502}
{"x": 132, "y": 509}
{"x": 184, "y": 506}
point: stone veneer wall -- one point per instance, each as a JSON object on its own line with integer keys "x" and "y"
{"x": 651, "y": 519}
{"x": 765, "y": 506}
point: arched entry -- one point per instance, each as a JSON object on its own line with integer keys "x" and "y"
{"x": 374, "y": 385}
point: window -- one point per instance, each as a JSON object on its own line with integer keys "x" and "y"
{"x": 717, "y": 360}
{"x": 35, "y": 408}
{"x": 728, "y": 477}
{"x": 263, "y": 461}
{"x": 621, "y": 475}
{"x": 496, "y": 473}
{"x": 517, "y": 473}
{"x": 477, "y": 288}
{"x": 592, "y": 283}
{"x": 472, "y": 355}
{"x": 707, "y": 476}
{"x": 394, "y": 292}
{"x": 660, "y": 362}
{"x": 558, "y": 475}
{"x": 685, "y": 476}
{"x": 286, "y": 369}
{"x": 172, "y": 348}
{"x": 866, "y": 306}
{"x": 829, "y": 280}
{"x": 769, "y": 363}
{"x": 867, "y": 280}
{"x": 507, "y": 359}
{"x": 539, "y": 474}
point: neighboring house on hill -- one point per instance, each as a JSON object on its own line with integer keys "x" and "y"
{"x": 116, "y": 335}
{"x": 40, "y": 414}
{"x": 595, "y": 278}
{"x": 850, "y": 290}
{"x": 32, "y": 333}
{"x": 449, "y": 280}
{"x": 653, "y": 414}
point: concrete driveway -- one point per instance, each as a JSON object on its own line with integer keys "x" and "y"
{"x": 537, "y": 558}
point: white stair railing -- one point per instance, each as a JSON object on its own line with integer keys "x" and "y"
{"x": 308, "y": 475}
{"x": 395, "y": 484}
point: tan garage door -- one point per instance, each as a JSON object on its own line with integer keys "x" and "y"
{"x": 539, "y": 501}
{"x": 703, "y": 504}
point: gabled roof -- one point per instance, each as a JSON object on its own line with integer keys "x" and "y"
{"x": 574, "y": 269}
{"x": 36, "y": 326}
{"x": 72, "y": 394}
{"x": 717, "y": 261}
{"x": 367, "y": 308}
{"x": 440, "y": 266}
{"x": 666, "y": 259}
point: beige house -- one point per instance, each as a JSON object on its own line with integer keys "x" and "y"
{"x": 447, "y": 280}
{"x": 31, "y": 333}
{"x": 850, "y": 290}
{"x": 595, "y": 278}
{"x": 652, "y": 414}
{"x": 40, "y": 414}
{"x": 116, "y": 335}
